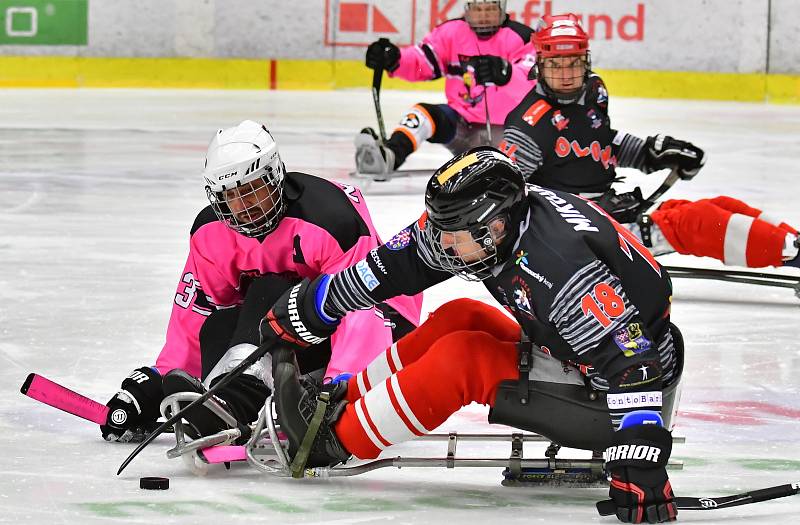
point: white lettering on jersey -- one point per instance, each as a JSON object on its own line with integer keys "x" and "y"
{"x": 566, "y": 210}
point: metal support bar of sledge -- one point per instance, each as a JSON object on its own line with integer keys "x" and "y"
{"x": 265, "y": 427}
{"x": 400, "y": 462}
{"x": 737, "y": 276}
{"x": 224, "y": 437}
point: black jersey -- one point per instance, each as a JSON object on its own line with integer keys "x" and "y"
{"x": 579, "y": 284}
{"x": 569, "y": 147}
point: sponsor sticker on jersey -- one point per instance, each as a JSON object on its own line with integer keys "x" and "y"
{"x": 602, "y": 94}
{"x": 559, "y": 121}
{"x": 400, "y": 241}
{"x": 366, "y": 275}
{"x": 595, "y": 119}
{"x": 536, "y": 112}
{"x": 522, "y": 262}
{"x": 377, "y": 260}
{"x": 633, "y": 400}
{"x": 522, "y": 296}
{"x": 631, "y": 340}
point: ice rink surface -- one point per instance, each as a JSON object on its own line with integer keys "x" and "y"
{"x": 99, "y": 190}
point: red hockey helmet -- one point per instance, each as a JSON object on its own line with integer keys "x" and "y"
{"x": 563, "y": 61}
{"x": 560, "y": 35}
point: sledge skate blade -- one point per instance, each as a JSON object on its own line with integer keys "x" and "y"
{"x": 575, "y": 477}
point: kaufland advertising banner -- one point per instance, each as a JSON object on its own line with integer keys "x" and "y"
{"x": 674, "y": 35}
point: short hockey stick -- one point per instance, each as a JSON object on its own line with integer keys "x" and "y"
{"x": 607, "y": 507}
{"x": 488, "y": 119}
{"x": 670, "y": 181}
{"x": 257, "y": 354}
{"x": 377, "y": 77}
{"x": 55, "y": 395}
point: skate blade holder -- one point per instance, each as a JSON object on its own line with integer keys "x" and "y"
{"x": 267, "y": 449}
{"x": 279, "y": 460}
{"x": 189, "y": 450}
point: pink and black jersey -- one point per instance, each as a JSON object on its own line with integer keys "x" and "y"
{"x": 443, "y": 53}
{"x": 325, "y": 229}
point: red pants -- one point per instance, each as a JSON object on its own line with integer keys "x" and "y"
{"x": 459, "y": 355}
{"x": 723, "y": 228}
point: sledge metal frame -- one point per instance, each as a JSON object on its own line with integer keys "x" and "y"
{"x": 272, "y": 456}
{"x": 267, "y": 450}
{"x": 189, "y": 450}
{"x": 737, "y": 276}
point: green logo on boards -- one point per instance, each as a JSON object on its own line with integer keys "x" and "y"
{"x": 44, "y": 22}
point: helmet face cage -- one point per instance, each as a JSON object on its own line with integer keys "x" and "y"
{"x": 553, "y": 72}
{"x": 471, "y": 201}
{"x": 483, "y": 26}
{"x": 563, "y": 61}
{"x": 252, "y": 208}
{"x": 470, "y": 258}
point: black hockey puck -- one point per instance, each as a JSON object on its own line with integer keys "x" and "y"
{"x": 154, "y": 483}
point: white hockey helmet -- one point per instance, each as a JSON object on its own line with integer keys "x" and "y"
{"x": 244, "y": 178}
{"x": 485, "y": 24}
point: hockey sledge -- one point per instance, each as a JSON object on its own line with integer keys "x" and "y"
{"x": 267, "y": 451}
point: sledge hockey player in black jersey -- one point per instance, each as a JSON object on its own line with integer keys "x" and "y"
{"x": 483, "y": 56}
{"x": 582, "y": 289}
{"x": 561, "y": 137}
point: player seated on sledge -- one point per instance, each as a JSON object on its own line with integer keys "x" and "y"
{"x": 484, "y": 58}
{"x": 581, "y": 288}
{"x": 561, "y": 137}
{"x": 264, "y": 230}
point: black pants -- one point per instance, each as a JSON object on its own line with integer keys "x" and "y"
{"x": 231, "y": 326}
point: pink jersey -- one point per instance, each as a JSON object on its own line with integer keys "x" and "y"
{"x": 442, "y": 53}
{"x": 326, "y": 228}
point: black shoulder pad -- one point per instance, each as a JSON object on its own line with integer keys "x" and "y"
{"x": 524, "y": 32}
{"x": 330, "y": 207}
{"x": 205, "y": 216}
{"x": 595, "y": 88}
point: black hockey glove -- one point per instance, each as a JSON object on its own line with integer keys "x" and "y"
{"x": 490, "y": 70}
{"x": 663, "y": 151}
{"x": 133, "y": 411}
{"x": 640, "y": 488}
{"x": 296, "y": 317}
{"x": 382, "y": 54}
{"x": 623, "y": 207}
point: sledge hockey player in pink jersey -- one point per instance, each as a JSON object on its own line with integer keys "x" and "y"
{"x": 484, "y": 57}
{"x": 264, "y": 230}
{"x": 561, "y": 137}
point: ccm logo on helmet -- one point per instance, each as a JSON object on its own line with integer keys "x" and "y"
{"x": 297, "y": 324}
{"x": 641, "y": 452}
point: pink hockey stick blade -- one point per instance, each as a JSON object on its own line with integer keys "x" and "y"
{"x": 224, "y": 454}
{"x": 55, "y": 395}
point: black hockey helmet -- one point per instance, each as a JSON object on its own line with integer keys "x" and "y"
{"x": 473, "y": 203}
